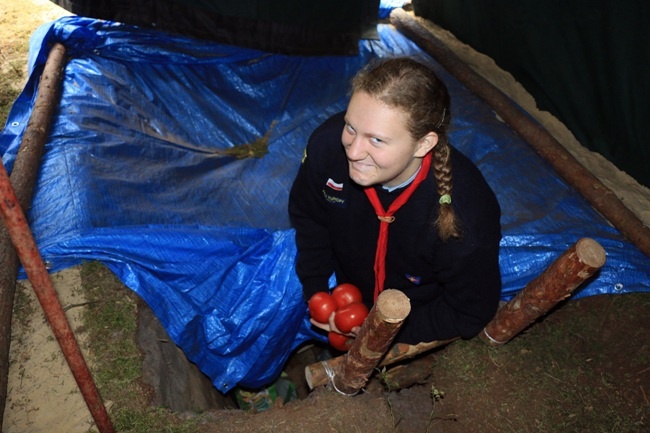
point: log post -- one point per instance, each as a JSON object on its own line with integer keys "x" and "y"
{"x": 21, "y": 236}
{"x": 400, "y": 351}
{"x": 557, "y": 282}
{"x": 584, "y": 182}
{"x": 401, "y": 376}
{"x": 316, "y": 374}
{"x": 351, "y": 371}
{"x": 23, "y": 178}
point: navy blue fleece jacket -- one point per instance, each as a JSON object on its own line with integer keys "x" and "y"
{"x": 454, "y": 286}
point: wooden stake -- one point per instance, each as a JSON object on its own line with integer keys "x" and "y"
{"x": 23, "y": 178}
{"x": 400, "y": 351}
{"x": 316, "y": 374}
{"x": 350, "y": 372}
{"x": 557, "y": 282}
{"x": 401, "y": 376}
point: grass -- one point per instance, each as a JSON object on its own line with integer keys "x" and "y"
{"x": 8, "y": 92}
{"x": 568, "y": 372}
{"x": 13, "y": 68}
{"x": 115, "y": 361}
{"x": 24, "y": 306}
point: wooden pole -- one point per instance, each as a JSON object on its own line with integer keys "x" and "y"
{"x": 405, "y": 375}
{"x": 23, "y": 178}
{"x": 400, "y": 351}
{"x": 21, "y": 236}
{"x": 317, "y": 374}
{"x": 557, "y": 282}
{"x": 377, "y": 333}
{"x": 589, "y": 186}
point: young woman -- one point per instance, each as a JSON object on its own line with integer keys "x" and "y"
{"x": 383, "y": 201}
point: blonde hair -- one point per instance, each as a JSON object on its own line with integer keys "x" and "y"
{"x": 405, "y": 83}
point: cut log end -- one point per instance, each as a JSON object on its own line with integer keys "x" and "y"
{"x": 309, "y": 377}
{"x": 591, "y": 253}
{"x": 393, "y": 305}
{"x": 557, "y": 282}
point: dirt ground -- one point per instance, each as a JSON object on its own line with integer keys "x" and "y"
{"x": 583, "y": 368}
{"x": 574, "y": 372}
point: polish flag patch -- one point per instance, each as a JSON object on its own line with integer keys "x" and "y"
{"x": 335, "y": 186}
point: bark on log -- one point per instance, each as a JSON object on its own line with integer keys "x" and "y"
{"x": 400, "y": 351}
{"x": 590, "y": 187}
{"x": 316, "y": 374}
{"x": 23, "y": 178}
{"x": 557, "y": 282}
{"x": 401, "y": 376}
{"x": 390, "y": 310}
{"x": 375, "y": 336}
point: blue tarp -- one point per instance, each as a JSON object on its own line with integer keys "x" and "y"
{"x": 134, "y": 175}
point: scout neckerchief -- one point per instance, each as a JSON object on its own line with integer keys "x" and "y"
{"x": 386, "y": 217}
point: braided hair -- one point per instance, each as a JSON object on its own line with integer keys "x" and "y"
{"x": 407, "y": 84}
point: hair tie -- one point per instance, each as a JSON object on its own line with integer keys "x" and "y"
{"x": 445, "y": 199}
{"x": 442, "y": 119}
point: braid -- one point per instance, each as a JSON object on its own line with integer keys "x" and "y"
{"x": 446, "y": 222}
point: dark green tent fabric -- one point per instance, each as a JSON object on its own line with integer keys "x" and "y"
{"x": 298, "y": 27}
{"x": 585, "y": 61}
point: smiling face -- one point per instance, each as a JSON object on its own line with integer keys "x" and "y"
{"x": 379, "y": 148}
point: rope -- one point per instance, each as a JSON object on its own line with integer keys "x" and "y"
{"x": 330, "y": 374}
{"x": 490, "y": 337}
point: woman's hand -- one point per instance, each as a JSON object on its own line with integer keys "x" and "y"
{"x": 331, "y": 326}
